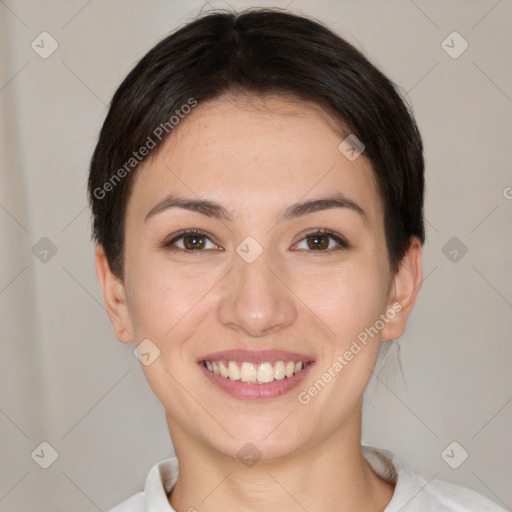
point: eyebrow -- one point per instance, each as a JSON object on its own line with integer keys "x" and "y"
{"x": 217, "y": 211}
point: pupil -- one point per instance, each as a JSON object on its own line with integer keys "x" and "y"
{"x": 196, "y": 241}
{"x": 324, "y": 243}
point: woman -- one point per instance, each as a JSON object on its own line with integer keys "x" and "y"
{"x": 257, "y": 198}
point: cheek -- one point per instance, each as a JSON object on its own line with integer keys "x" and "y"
{"x": 347, "y": 299}
{"x": 160, "y": 299}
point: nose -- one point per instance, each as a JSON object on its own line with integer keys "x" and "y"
{"x": 256, "y": 298}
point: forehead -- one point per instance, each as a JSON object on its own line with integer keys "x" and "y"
{"x": 247, "y": 150}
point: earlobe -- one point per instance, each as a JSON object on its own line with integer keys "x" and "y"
{"x": 114, "y": 297}
{"x": 405, "y": 286}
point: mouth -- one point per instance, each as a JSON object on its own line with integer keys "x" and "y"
{"x": 255, "y": 375}
{"x": 260, "y": 373}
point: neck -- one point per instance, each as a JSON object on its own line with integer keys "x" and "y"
{"x": 331, "y": 476}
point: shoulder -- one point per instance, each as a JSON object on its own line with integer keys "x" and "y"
{"x": 458, "y": 498}
{"x": 159, "y": 482}
{"x": 414, "y": 492}
{"x": 135, "y": 503}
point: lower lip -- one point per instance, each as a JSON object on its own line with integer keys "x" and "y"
{"x": 256, "y": 392}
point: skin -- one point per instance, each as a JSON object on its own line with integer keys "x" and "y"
{"x": 257, "y": 156}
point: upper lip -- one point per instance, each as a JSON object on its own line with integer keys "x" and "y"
{"x": 256, "y": 356}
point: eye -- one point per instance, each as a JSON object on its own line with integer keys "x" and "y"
{"x": 190, "y": 240}
{"x": 320, "y": 240}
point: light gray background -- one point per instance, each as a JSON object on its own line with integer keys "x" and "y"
{"x": 65, "y": 379}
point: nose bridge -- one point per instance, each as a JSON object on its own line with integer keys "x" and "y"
{"x": 255, "y": 300}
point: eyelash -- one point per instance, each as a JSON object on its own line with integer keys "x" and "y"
{"x": 343, "y": 244}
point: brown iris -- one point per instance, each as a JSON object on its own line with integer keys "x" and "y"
{"x": 319, "y": 241}
{"x": 194, "y": 241}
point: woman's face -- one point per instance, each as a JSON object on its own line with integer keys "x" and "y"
{"x": 259, "y": 278}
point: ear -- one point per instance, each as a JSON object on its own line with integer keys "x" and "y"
{"x": 404, "y": 290}
{"x": 114, "y": 297}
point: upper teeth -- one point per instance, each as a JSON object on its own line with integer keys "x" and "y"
{"x": 250, "y": 372}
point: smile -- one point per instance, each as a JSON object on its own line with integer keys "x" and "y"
{"x": 261, "y": 373}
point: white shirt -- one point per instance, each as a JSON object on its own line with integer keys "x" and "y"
{"x": 413, "y": 493}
